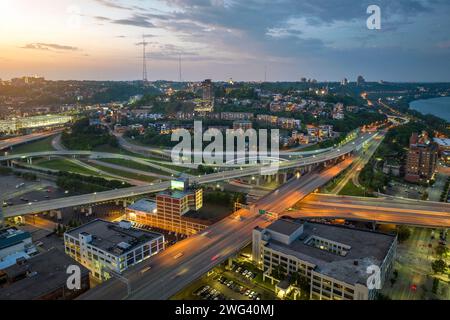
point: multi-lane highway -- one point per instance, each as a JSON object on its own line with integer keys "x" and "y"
{"x": 169, "y": 274}
{"x": 380, "y": 210}
{"x": 142, "y": 190}
{"x": 8, "y": 143}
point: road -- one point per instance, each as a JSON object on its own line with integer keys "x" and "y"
{"x": 168, "y": 275}
{"x": 8, "y": 143}
{"x": 142, "y": 190}
{"x": 381, "y": 210}
{"x": 358, "y": 165}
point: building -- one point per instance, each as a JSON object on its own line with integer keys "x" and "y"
{"x": 106, "y": 248}
{"x": 422, "y": 158}
{"x": 43, "y": 277}
{"x": 266, "y": 118}
{"x": 333, "y": 259}
{"x": 288, "y": 123}
{"x": 360, "y": 81}
{"x": 234, "y": 116}
{"x": 392, "y": 169}
{"x": 207, "y": 103}
{"x": 242, "y": 124}
{"x": 13, "y": 241}
{"x": 444, "y": 149}
{"x": 34, "y": 122}
{"x": 170, "y": 212}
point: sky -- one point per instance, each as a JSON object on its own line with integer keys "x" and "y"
{"x": 246, "y": 40}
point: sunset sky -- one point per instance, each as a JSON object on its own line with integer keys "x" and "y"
{"x": 222, "y": 39}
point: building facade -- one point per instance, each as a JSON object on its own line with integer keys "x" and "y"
{"x": 170, "y": 212}
{"x": 333, "y": 259}
{"x": 106, "y": 248}
{"x": 422, "y": 158}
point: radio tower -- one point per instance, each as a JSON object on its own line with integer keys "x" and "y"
{"x": 179, "y": 69}
{"x": 144, "y": 60}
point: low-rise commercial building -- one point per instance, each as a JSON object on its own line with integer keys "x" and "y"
{"x": 106, "y": 248}
{"x": 13, "y": 241}
{"x": 335, "y": 260}
{"x": 43, "y": 277}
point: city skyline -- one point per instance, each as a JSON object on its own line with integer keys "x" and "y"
{"x": 220, "y": 39}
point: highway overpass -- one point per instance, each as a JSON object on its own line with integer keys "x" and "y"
{"x": 105, "y": 196}
{"x": 170, "y": 274}
{"x": 11, "y": 142}
{"x": 377, "y": 210}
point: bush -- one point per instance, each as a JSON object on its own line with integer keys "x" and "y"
{"x": 403, "y": 233}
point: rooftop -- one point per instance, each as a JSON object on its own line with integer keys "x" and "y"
{"x": 366, "y": 248}
{"x": 110, "y": 237}
{"x": 143, "y": 205}
{"x": 47, "y": 273}
{"x": 12, "y": 236}
{"x": 442, "y": 142}
{"x": 284, "y": 226}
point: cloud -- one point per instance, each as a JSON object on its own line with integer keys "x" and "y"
{"x": 136, "y": 20}
{"x": 112, "y": 4}
{"x": 49, "y": 47}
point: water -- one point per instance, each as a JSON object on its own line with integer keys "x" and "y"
{"x": 440, "y": 107}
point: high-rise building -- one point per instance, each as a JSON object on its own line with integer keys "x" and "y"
{"x": 207, "y": 103}
{"x": 422, "y": 158}
{"x": 360, "y": 81}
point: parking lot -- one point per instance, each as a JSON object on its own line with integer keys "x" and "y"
{"x": 237, "y": 283}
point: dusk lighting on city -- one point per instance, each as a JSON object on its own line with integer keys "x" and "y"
{"x": 224, "y": 158}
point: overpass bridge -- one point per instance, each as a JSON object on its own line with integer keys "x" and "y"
{"x": 169, "y": 274}
{"x": 11, "y": 142}
{"x": 375, "y": 210}
{"x": 84, "y": 200}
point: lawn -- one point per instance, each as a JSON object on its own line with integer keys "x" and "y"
{"x": 351, "y": 190}
{"x": 65, "y": 165}
{"x": 134, "y": 165}
{"x": 124, "y": 174}
{"x": 36, "y": 146}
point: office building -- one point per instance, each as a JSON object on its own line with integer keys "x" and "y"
{"x": 171, "y": 209}
{"x": 106, "y": 248}
{"x": 207, "y": 103}
{"x": 333, "y": 259}
{"x": 422, "y": 158}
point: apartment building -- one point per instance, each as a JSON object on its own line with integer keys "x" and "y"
{"x": 233, "y": 116}
{"x": 334, "y": 259}
{"x": 422, "y": 158}
{"x": 106, "y": 248}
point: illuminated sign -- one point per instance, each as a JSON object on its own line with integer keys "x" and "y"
{"x": 177, "y": 185}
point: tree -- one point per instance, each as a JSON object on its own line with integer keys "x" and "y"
{"x": 438, "y": 266}
{"x": 441, "y": 250}
{"x": 403, "y": 233}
